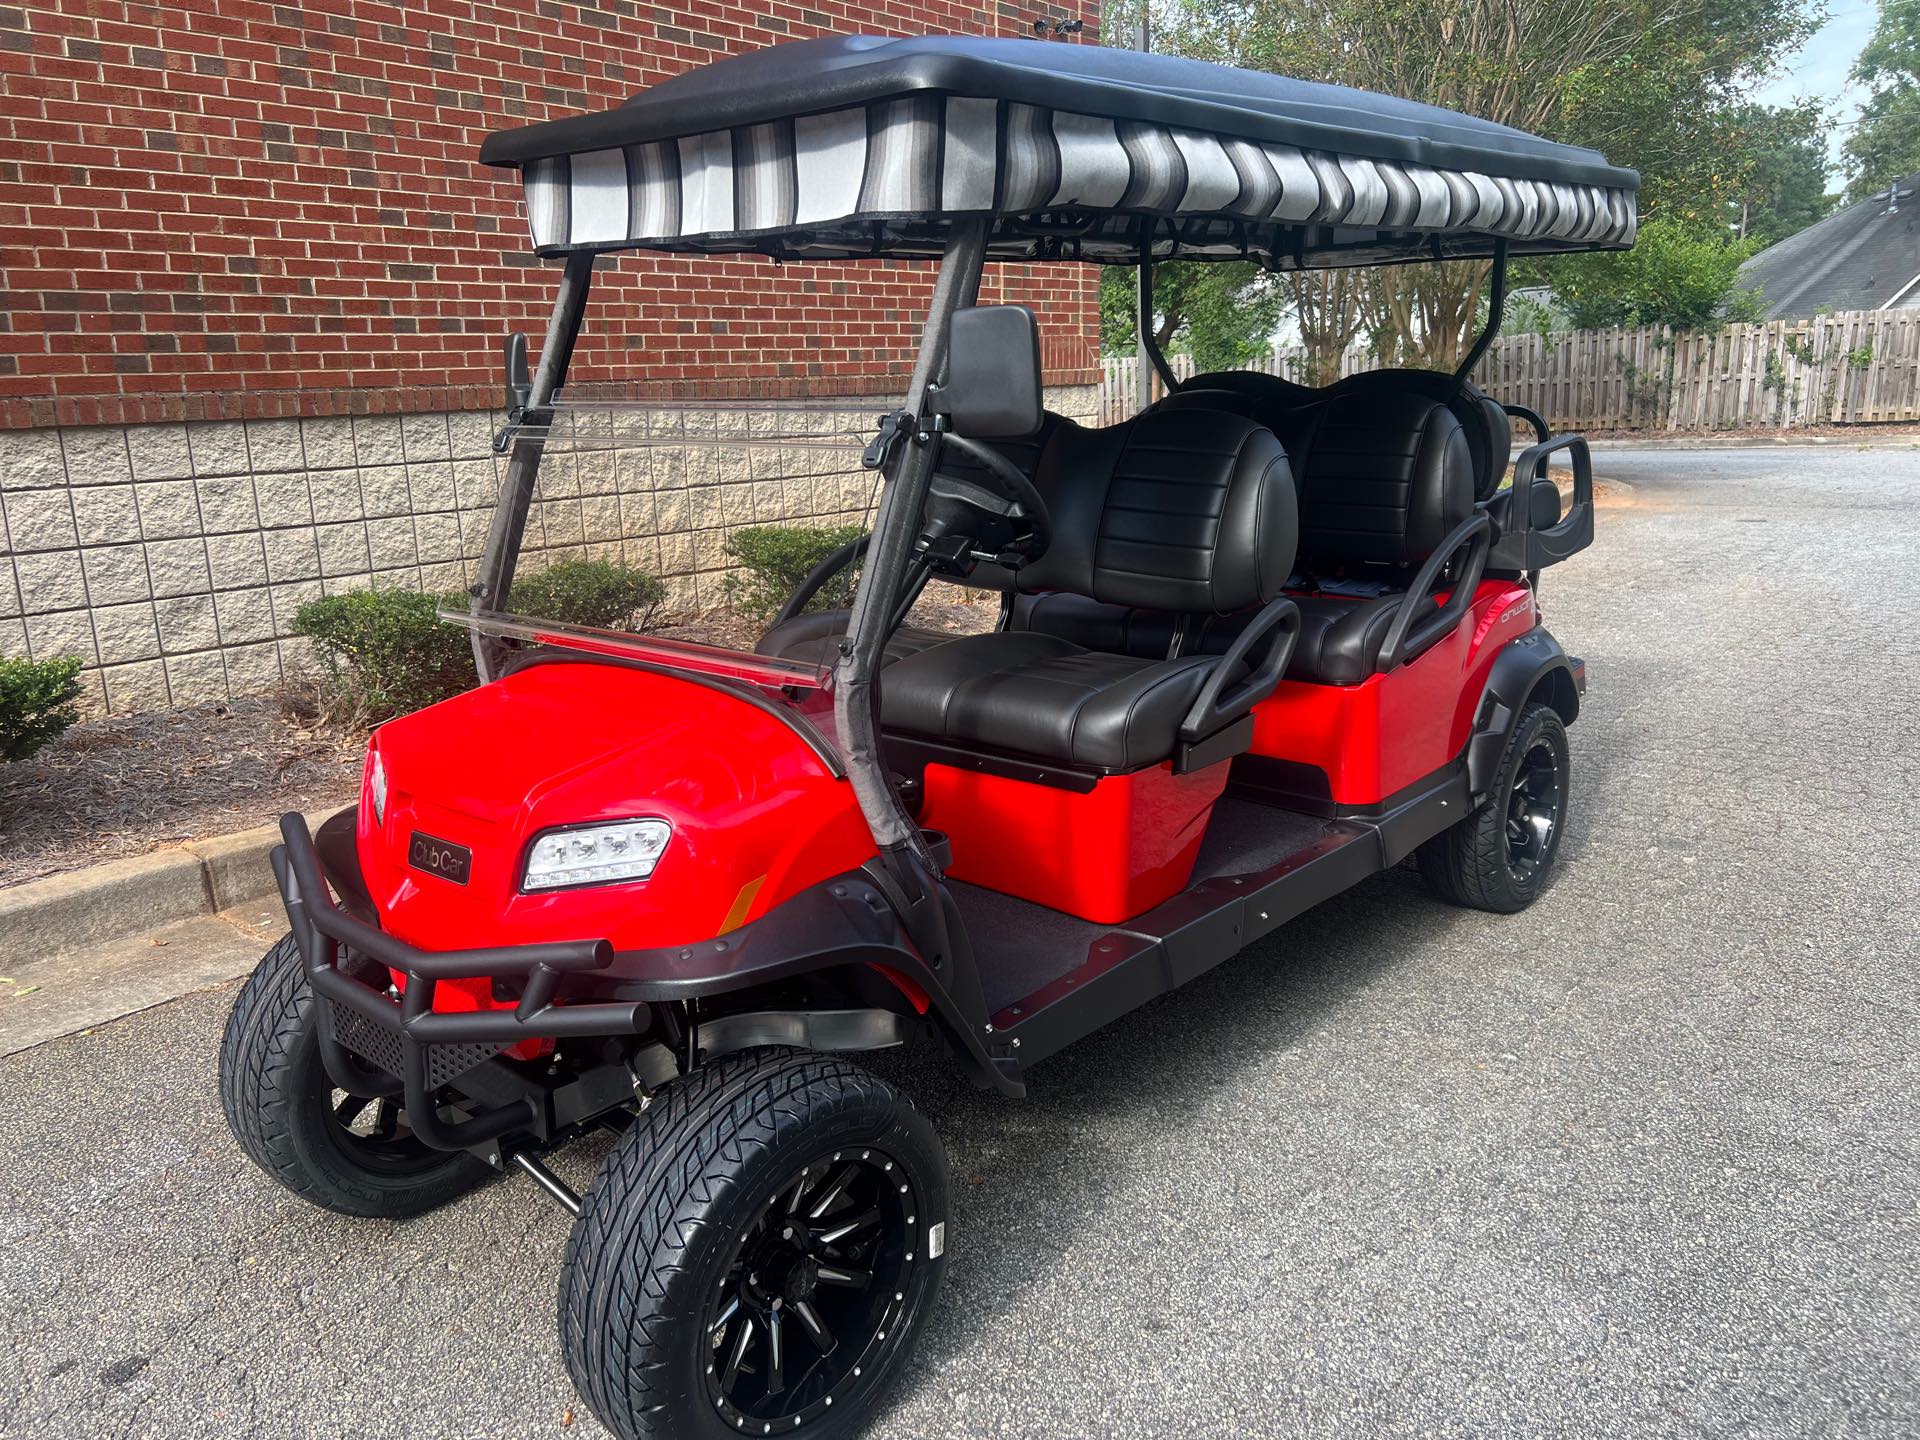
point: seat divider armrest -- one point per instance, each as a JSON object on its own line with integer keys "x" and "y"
{"x": 1403, "y": 642}
{"x": 1220, "y": 701}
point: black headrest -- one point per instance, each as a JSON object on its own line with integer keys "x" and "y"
{"x": 1231, "y": 402}
{"x": 1482, "y": 420}
{"x": 1387, "y": 475}
{"x": 1182, "y": 510}
{"x": 1264, "y": 393}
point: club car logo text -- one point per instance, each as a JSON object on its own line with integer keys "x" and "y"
{"x": 439, "y": 857}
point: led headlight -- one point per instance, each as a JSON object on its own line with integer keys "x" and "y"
{"x": 595, "y": 854}
{"x": 377, "y": 787}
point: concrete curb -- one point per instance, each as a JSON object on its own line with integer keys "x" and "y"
{"x": 43, "y": 919}
{"x": 1757, "y": 442}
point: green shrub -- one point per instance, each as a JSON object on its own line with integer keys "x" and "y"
{"x": 589, "y": 592}
{"x": 776, "y": 558}
{"x": 388, "y": 648}
{"x": 391, "y": 654}
{"x": 36, "y": 703}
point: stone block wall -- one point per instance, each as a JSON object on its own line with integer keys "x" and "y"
{"x": 172, "y": 557}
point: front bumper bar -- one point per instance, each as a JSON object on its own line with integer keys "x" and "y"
{"x": 418, "y": 1050}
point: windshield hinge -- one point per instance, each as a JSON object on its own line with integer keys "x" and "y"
{"x": 516, "y": 417}
{"x": 893, "y": 429}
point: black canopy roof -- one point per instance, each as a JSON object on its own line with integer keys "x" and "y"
{"x": 1117, "y": 134}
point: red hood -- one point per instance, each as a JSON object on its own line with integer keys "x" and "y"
{"x": 755, "y": 811}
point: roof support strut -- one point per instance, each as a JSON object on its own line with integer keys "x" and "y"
{"x": 1143, "y": 320}
{"x": 895, "y": 527}
{"x": 495, "y": 583}
{"x": 1496, "y": 311}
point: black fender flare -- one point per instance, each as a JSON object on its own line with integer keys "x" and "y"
{"x": 1531, "y": 664}
{"x": 847, "y": 921}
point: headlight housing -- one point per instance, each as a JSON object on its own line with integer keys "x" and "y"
{"x": 602, "y": 854}
{"x": 377, "y": 788}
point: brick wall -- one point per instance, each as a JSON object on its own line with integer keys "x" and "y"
{"x": 255, "y": 289}
{"x": 233, "y": 208}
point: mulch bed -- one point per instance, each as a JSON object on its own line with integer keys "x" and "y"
{"x": 112, "y": 788}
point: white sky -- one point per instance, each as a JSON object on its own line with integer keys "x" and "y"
{"x": 1819, "y": 68}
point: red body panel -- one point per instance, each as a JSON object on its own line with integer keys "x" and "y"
{"x": 1378, "y": 737}
{"x": 1105, "y": 856}
{"x": 756, "y": 815}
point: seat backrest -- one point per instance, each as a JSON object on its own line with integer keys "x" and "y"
{"x": 1483, "y": 420}
{"x": 1387, "y": 474}
{"x": 1289, "y": 409}
{"x": 1188, "y": 511}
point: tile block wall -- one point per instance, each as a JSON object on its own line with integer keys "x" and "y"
{"x": 172, "y": 557}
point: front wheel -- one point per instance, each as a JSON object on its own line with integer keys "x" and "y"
{"x": 757, "y": 1253}
{"x": 343, "y": 1151}
{"x": 1498, "y": 858}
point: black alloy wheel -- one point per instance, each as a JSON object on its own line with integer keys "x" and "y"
{"x": 372, "y": 1132}
{"x": 757, "y": 1255}
{"x": 337, "y": 1148}
{"x": 1499, "y": 858}
{"x": 812, "y": 1290}
{"x": 1533, "y": 810}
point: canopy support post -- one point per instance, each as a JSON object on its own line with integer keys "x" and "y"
{"x": 895, "y": 527}
{"x": 1143, "y": 325}
{"x": 1496, "y": 311}
{"x": 905, "y": 869}
{"x": 494, "y": 583}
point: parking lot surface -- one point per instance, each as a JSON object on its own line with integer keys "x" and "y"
{"x": 1641, "y": 1161}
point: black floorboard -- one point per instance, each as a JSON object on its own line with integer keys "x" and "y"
{"x": 1020, "y": 946}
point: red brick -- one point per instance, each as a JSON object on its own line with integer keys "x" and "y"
{"x": 258, "y": 200}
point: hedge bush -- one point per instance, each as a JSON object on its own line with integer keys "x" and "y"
{"x": 590, "y": 592}
{"x": 36, "y": 703}
{"x": 775, "y": 558}
{"x": 391, "y": 654}
{"x": 388, "y": 649}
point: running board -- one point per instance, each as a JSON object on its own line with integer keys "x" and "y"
{"x": 1215, "y": 919}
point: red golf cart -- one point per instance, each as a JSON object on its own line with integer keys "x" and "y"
{"x": 1253, "y": 645}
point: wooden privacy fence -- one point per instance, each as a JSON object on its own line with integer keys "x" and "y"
{"x": 1857, "y": 367}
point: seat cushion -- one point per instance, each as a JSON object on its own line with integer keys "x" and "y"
{"x": 814, "y": 639}
{"x": 1045, "y": 698}
{"x": 1340, "y": 638}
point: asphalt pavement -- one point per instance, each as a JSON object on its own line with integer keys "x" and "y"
{"x": 1642, "y": 1161}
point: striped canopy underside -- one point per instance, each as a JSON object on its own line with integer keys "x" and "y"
{"x": 882, "y": 179}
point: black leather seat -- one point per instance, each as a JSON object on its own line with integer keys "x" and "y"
{"x": 1483, "y": 420}
{"x": 1176, "y": 512}
{"x": 1383, "y": 475}
{"x": 1291, "y": 410}
{"x": 1046, "y": 698}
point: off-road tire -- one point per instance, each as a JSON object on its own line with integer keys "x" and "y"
{"x": 1467, "y": 863}
{"x": 279, "y": 1104}
{"x": 661, "y": 1218}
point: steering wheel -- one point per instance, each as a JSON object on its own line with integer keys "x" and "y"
{"x": 1005, "y": 517}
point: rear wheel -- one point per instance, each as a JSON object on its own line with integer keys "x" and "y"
{"x": 1498, "y": 858}
{"x": 757, "y": 1253}
{"x": 346, "y": 1151}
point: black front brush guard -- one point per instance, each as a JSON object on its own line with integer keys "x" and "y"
{"x": 428, "y": 1048}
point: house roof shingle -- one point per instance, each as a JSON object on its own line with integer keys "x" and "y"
{"x": 1860, "y": 258}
